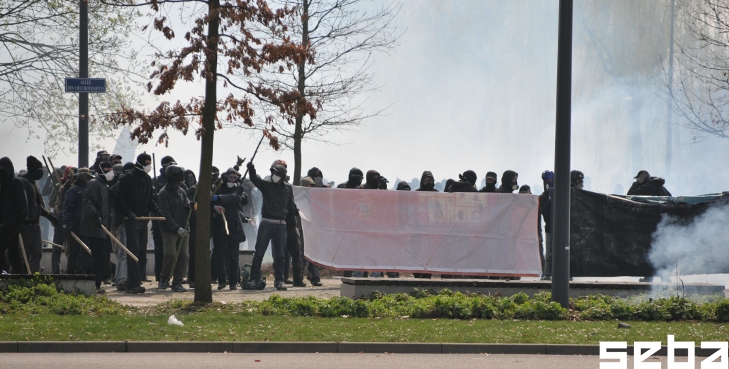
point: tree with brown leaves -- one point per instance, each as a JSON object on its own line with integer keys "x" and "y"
{"x": 341, "y": 36}
{"x": 225, "y": 35}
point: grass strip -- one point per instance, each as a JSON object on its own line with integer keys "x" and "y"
{"x": 217, "y": 326}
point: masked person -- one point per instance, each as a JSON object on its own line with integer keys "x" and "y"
{"x": 427, "y": 182}
{"x": 72, "y": 208}
{"x": 166, "y": 162}
{"x": 277, "y": 203}
{"x": 354, "y": 180}
{"x": 645, "y": 185}
{"x": 292, "y": 251}
{"x": 491, "y": 179}
{"x": 117, "y": 223}
{"x": 30, "y": 229}
{"x": 509, "y": 182}
{"x": 467, "y": 183}
{"x": 228, "y": 230}
{"x": 95, "y": 214}
{"x": 216, "y": 174}
{"x": 525, "y": 189}
{"x": 372, "y": 181}
{"x": 545, "y": 210}
{"x": 174, "y": 205}
{"x": 101, "y": 156}
{"x": 134, "y": 198}
{"x": 191, "y": 183}
{"x": 577, "y": 179}
{"x": 13, "y": 210}
{"x": 316, "y": 175}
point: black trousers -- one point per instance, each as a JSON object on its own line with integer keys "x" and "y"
{"x": 74, "y": 250}
{"x": 98, "y": 251}
{"x": 9, "y": 244}
{"x": 137, "y": 244}
{"x": 293, "y": 255}
{"x": 225, "y": 253}
{"x": 158, "y": 249}
{"x": 191, "y": 251}
{"x": 31, "y": 233}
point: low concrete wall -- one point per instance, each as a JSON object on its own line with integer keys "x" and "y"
{"x": 245, "y": 257}
{"x": 83, "y": 283}
{"x": 364, "y": 287}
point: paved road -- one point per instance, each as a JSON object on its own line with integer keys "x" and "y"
{"x": 314, "y": 361}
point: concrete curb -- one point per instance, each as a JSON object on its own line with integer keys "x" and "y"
{"x": 312, "y": 347}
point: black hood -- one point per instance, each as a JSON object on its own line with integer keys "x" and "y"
{"x": 7, "y": 165}
{"x": 373, "y": 179}
{"x": 426, "y": 174}
{"x": 508, "y": 177}
{"x": 194, "y": 178}
{"x": 314, "y": 172}
{"x": 351, "y": 181}
{"x": 403, "y": 186}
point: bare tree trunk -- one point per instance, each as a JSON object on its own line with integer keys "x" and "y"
{"x": 298, "y": 130}
{"x": 203, "y": 289}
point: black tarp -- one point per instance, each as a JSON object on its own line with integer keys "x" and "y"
{"x": 611, "y": 235}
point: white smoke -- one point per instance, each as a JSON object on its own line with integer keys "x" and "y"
{"x": 697, "y": 247}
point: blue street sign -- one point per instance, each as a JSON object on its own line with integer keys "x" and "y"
{"x": 90, "y": 85}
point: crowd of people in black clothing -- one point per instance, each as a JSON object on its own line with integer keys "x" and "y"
{"x": 95, "y": 211}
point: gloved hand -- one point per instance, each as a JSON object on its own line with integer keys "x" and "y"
{"x": 219, "y": 209}
{"x": 183, "y": 232}
{"x": 131, "y": 215}
{"x": 215, "y": 198}
{"x": 246, "y": 219}
{"x": 250, "y": 166}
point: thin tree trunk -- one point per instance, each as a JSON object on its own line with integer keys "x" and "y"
{"x": 203, "y": 289}
{"x": 298, "y": 130}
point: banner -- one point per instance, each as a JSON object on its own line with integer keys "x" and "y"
{"x": 611, "y": 235}
{"x": 421, "y": 232}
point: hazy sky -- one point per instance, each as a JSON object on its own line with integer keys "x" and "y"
{"x": 471, "y": 86}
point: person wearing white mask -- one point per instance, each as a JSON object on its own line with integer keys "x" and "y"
{"x": 228, "y": 230}
{"x": 277, "y": 203}
{"x": 134, "y": 198}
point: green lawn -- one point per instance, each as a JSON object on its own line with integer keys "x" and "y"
{"x": 220, "y": 326}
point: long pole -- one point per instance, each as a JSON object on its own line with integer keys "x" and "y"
{"x": 22, "y": 251}
{"x": 669, "y": 112}
{"x": 119, "y": 243}
{"x": 561, "y": 215}
{"x": 83, "y": 97}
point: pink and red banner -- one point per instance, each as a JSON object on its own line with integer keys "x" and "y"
{"x": 421, "y": 232}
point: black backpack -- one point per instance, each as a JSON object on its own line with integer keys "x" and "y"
{"x": 245, "y": 276}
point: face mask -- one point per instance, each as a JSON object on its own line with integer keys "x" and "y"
{"x": 515, "y": 187}
{"x": 189, "y": 182}
{"x": 147, "y": 168}
{"x": 275, "y": 178}
{"x": 35, "y": 174}
{"x": 231, "y": 184}
{"x": 318, "y": 180}
{"x": 109, "y": 175}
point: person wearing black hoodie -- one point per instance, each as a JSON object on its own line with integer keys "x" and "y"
{"x": 191, "y": 183}
{"x": 174, "y": 206}
{"x": 30, "y": 229}
{"x": 645, "y": 185}
{"x": 354, "y": 180}
{"x": 13, "y": 210}
{"x": 134, "y": 198}
{"x": 467, "y": 183}
{"x": 491, "y": 179}
{"x": 374, "y": 181}
{"x": 509, "y": 182}
{"x": 72, "y": 208}
{"x": 277, "y": 203}
{"x": 95, "y": 214}
{"x": 166, "y": 161}
{"x": 227, "y": 211}
{"x": 427, "y": 182}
